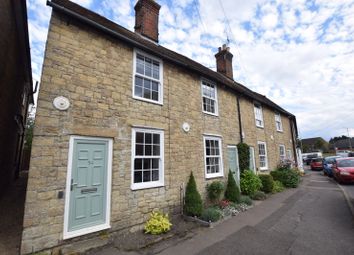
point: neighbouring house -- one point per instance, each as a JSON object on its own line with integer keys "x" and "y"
{"x": 314, "y": 144}
{"x": 122, "y": 121}
{"x": 342, "y": 144}
{"x": 15, "y": 87}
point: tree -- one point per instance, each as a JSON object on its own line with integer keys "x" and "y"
{"x": 243, "y": 156}
{"x": 193, "y": 204}
{"x": 232, "y": 192}
{"x": 29, "y": 133}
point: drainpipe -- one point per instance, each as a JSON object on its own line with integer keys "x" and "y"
{"x": 239, "y": 117}
{"x": 294, "y": 140}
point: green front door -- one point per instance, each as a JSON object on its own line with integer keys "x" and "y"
{"x": 233, "y": 162}
{"x": 88, "y": 184}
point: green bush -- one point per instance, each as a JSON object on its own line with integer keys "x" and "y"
{"x": 250, "y": 182}
{"x": 214, "y": 190}
{"x": 246, "y": 200}
{"x": 278, "y": 187}
{"x": 211, "y": 214}
{"x": 243, "y": 156}
{"x": 259, "y": 195}
{"x": 193, "y": 204}
{"x": 232, "y": 192}
{"x": 288, "y": 177}
{"x": 267, "y": 182}
{"x": 157, "y": 224}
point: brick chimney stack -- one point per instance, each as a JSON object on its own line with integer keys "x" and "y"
{"x": 224, "y": 61}
{"x": 147, "y": 19}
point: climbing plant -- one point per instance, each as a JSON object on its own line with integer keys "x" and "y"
{"x": 243, "y": 156}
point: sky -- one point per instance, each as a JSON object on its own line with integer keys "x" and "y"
{"x": 298, "y": 53}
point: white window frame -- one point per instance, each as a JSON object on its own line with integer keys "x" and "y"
{"x": 258, "y": 114}
{"x": 265, "y": 156}
{"x": 278, "y": 122}
{"x": 252, "y": 159}
{"x": 151, "y": 184}
{"x": 221, "y": 167}
{"x": 160, "y": 80}
{"x": 289, "y": 154}
{"x": 282, "y": 156}
{"x": 216, "y": 113}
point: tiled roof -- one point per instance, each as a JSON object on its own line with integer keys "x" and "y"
{"x": 107, "y": 26}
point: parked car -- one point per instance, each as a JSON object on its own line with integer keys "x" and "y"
{"x": 311, "y": 156}
{"x": 327, "y": 165}
{"x": 343, "y": 170}
{"x": 316, "y": 164}
{"x": 342, "y": 153}
{"x": 351, "y": 154}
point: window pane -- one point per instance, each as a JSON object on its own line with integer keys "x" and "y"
{"x": 147, "y": 164}
{"x": 138, "y": 164}
{"x": 139, "y": 149}
{"x": 147, "y": 84}
{"x": 208, "y": 169}
{"x": 155, "y": 175}
{"x": 140, "y": 64}
{"x": 139, "y": 137}
{"x": 138, "y": 91}
{"x": 155, "y": 86}
{"x": 156, "y": 138}
{"x": 148, "y": 150}
{"x": 155, "y": 96}
{"x": 156, "y": 150}
{"x": 137, "y": 176}
{"x": 148, "y": 138}
{"x": 138, "y": 81}
{"x": 155, "y": 163}
{"x": 146, "y": 176}
{"x": 156, "y": 70}
{"x": 148, "y": 67}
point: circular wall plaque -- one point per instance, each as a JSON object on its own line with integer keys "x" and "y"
{"x": 186, "y": 127}
{"x": 61, "y": 103}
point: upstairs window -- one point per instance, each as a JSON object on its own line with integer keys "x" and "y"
{"x": 278, "y": 123}
{"x": 210, "y": 103}
{"x": 262, "y": 153}
{"x": 147, "y": 78}
{"x": 258, "y": 114}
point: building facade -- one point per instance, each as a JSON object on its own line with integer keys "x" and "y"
{"x": 121, "y": 123}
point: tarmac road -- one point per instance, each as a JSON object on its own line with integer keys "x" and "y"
{"x": 315, "y": 220}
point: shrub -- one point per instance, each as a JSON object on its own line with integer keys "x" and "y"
{"x": 259, "y": 195}
{"x": 211, "y": 214}
{"x": 193, "y": 204}
{"x": 214, "y": 190}
{"x": 243, "y": 156}
{"x": 288, "y": 177}
{"x": 278, "y": 187}
{"x": 232, "y": 191}
{"x": 157, "y": 224}
{"x": 267, "y": 182}
{"x": 246, "y": 200}
{"x": 250, "y": 182}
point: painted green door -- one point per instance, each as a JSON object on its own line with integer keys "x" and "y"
{"x": 88, "y": 184}
{"x": 233, "y": 162}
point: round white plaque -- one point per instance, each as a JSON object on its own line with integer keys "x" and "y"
{"x": 186, "y": 127}
{"x": 61, "y": 103}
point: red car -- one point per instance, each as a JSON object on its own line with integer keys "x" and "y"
{"x": 343, "y": 170}
{"x": 317, "y": 164}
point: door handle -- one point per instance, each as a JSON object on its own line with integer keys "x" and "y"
{"x": 72, "y": 184}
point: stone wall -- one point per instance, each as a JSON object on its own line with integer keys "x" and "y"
{"x": 95, "y": 73}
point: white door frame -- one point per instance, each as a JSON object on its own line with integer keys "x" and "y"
{"x": 70, "y": 234}
{"x": 237, "y": 162}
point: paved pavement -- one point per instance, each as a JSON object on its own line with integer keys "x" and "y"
{"x": 313, "y": 219}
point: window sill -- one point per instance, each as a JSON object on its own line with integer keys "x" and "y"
{"x": 211, "y": 114}
{"x": 280, "y": 131}
{"x": 148, "y": 100}
{"x": 260, "y": 126}
{"x": 263, "y": 169}
{"x": 148, "y": 185}
{"x": 212, "y": 176}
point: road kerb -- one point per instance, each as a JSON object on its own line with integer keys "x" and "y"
{"x": 347, "y": 198}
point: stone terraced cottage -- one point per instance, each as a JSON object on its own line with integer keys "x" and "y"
{"x": 122, "y": 121}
